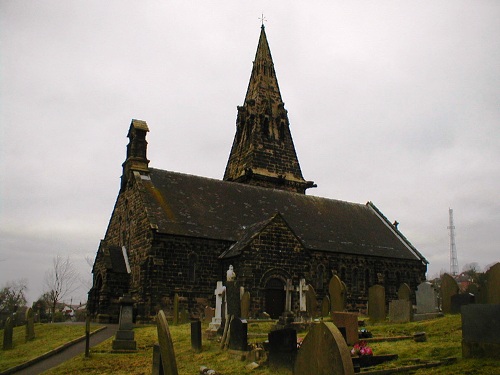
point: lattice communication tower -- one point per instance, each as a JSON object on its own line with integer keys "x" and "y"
{"x": 453, "y": 249}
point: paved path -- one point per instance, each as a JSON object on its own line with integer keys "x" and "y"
{"x": 68, "y": 353}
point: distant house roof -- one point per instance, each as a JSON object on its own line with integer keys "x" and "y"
{"x": 188, "y": 205}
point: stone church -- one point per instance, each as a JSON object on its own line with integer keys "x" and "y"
{"x": 173, "y": 233}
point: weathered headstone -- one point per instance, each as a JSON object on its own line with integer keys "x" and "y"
{"x": 404, "y": 292}
{"x": 426, "y": 298}
{"x": 233, "y": 298}
{"x": 124, "y": 338}
{"x": 30, "y": 324}
{"x": 337, "y": 291}
{"x": 311, "y": 302}
{"x": 302, "y": 289}
{"x": 449, "y": 287}
{"x": 282, "y": 347}
{"x": 167, "y": 354}
{"x": 288, "y": 295}
{"x": 238, "y": 338}
{"x": 400, "y": 311}
{"x": 348, "y": 321}
{"x": 219, "y": 292}
{"x": 245, "y": 305}
{"x": 376, "y": 303}
{"x": 459, "y": 300}
{"x": 323, "y": 352}
{"x": 325, "y": 306}
{"x": 481, "y": 331}
{"x": 196, "y": 335}
{"x": 493, "y": 284}
{"x": 208, "y": 314}
{"x": 175, "y": 320}
{"x": 8, "y": 332}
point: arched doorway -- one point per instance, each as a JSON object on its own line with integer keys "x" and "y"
{"x": 275, "y": 297}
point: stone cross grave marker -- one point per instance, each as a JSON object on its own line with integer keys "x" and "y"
{"x": 493, "y": 284}
{"x": 426, "y": 298}
{"x": 336, "y": 290}
{"x": 311, "y": 302}
{"x": 8, "y": 332}
{"x": 288, "y": 295}
{"x": 167, "y": 354}
{"x": 404, "y": 292}
{"x": 302, "y": 289}
{"x": 30, "y": 325}
{"x": 325, "y": 306}
{"x": 245, "y": 305}
{"x": 376, "y": 303}
{"x": 449, "y": 287}
{"x": 323, "y": 352}
{"x": 219, "y": 292}
{"x": 400, "y": 311}
{"x": 124, "y": 339}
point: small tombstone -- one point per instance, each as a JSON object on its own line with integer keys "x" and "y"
{"x": 8, "y": 332}
{"x": 196, "y": 335}
{"x": 459, "y": 300}
{"x": 124, "y": 339}
{"x": 176, "y": 310}
{"x": 337, "y": 291}
{"x": 238, "y": 337}
{"x": 348, "y": 321}
{"x": 245, "y": 305}
{"x": 493, "y": 284}
{"x": 233, "y": 298}
{"x": 449, "y": 287}
{"x": 184, "y": 316}
{"x": 30, "y": 324}
{"x": 208, "y": 314}
{"x": 323, "y": 352}
{"x": 426, "y": 298}
{"x": 481, "y": 331}
{"x": 404, "y": 292}
{"x": 325, "y": 306}
{"x": 400, "y": 311}
{"x": 167, "y": 354}
{"x": 282, "y": 347}
{"x": 376, "y": 303}
{"x": 311, "y": 302}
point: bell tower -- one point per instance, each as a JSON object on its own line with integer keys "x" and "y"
{"x": 263, "y": 153}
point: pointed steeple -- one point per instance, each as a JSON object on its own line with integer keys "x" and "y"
{"x": 263, "y": 153}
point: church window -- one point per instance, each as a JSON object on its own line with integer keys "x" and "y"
{"x": 320, "y": 276}
{"x": 192, "y": 266}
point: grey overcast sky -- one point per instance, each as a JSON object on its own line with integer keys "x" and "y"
{"x": 395, "y": 102}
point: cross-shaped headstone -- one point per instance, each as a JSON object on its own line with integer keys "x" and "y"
{"x": 302, "y": 289}
{"x": 288, "y": 295}
{"x": 219, "y": 296}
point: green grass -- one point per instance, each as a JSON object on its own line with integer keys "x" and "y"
{"x": 443, "y": 340}
{"x": 47, "y": 337}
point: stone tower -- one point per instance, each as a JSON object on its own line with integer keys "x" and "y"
{"x": 263, "y": 153}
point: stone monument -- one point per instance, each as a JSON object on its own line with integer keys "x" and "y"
{"x": 124, "y": 339}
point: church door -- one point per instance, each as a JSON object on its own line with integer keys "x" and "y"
{"x": 275, "y": 298}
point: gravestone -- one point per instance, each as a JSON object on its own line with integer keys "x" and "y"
{"x": 167, "y": 354}
{"x": 302, "y": 289}
{"x": 196, "y": 335}
{"x": 124, "y": 338}
{"x": 325, "y": 306}
{"x": 459, "y": 300}
{"x": 376, "y": 303}
{"x": 348, "y": 321}
{"x": 245, "y": 305}
{"x": 282, "y": 347}
{"x": 8, "y": 332}
{"x": 323, "y": 352}
{"x": 404, "y": 292}
{"x": 336, "y": 290}
{"x": 449, "y": 287}
{"x": 176, "y": 310}
{"x": 208, "y": 314}
{"x": 400, "y": 311}
{"x": 233, "y": 298}
{"x": 426, "y": 298}
{"x": 238, "y": 334}
{"x": 311, "y": 302}
{"x": 493, "y": 284}
{"x": 219, "y": 292}
{"x": 288, "y": 295}
{"x": 481, "y": 331}
{"x": 30, "y": 324}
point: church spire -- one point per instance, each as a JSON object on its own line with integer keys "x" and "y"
{"x": 263, "y": 153}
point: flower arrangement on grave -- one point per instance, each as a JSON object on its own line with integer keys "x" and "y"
{"x": 361, "y": 349}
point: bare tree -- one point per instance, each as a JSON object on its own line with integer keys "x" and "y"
{"x": 12, "y": 295}
{"x": 60, "y": 281}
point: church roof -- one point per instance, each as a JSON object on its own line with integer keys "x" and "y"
{"x": 187, "y": 205}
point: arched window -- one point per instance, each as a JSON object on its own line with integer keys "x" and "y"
{"x": 192, "y": 267}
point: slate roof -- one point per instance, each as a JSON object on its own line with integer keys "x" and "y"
{"x": 187, "y": 205}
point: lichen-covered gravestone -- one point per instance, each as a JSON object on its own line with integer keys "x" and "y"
{"x": 311, "y": 302}
{"x": 8, "y": 332}
{"x": 323, "y": 352}
{"x": 124, "y": 339}
{"x": 426, "y": 298}
{"x": 30, "y": 325}
{"x": 493, "y": 284}
{"x": 449, "y": 287}
{"x": 400, "y": 311}
{"x": 167, "y": 354}
{"x": 245, "y": 305}
{"x": 404, "y": 292}
{"x": 337, "y": 290}
{"x": 376, "y": 303}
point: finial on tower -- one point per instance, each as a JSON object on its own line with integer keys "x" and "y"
{"x": 262, "y": 20}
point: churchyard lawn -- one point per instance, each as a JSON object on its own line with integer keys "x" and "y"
{"x": 48, "y": 336}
